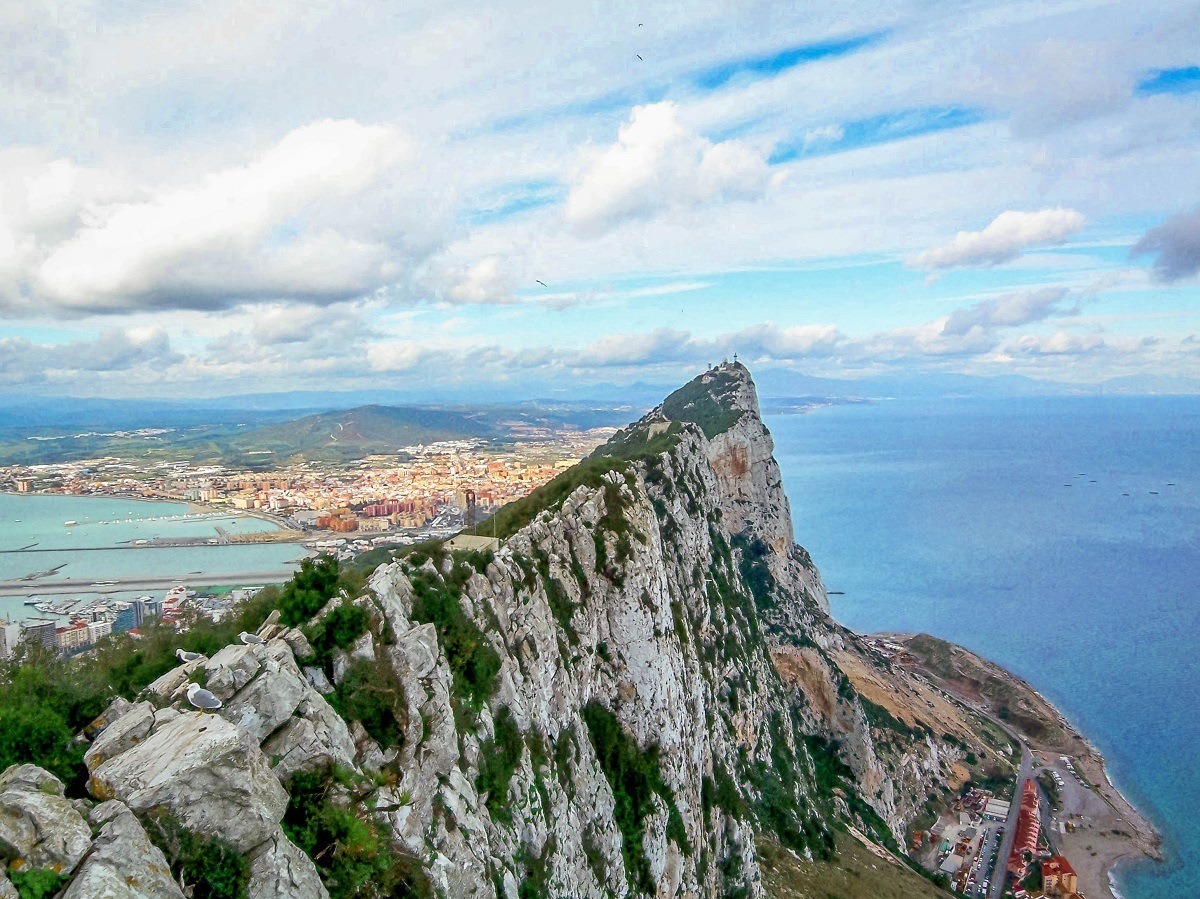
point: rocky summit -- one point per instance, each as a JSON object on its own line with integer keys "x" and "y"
{"x": 633, "y": 688}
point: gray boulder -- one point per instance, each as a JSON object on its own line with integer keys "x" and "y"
{"x": 39, "y": 827}
{"x": 122, "y": 733}
{"x": 208, "y": 773}
{"x": 172, "y": 684}
{"x": 123, "y": 863}
{"x": 319, "y": 681}
{"x": 279, "y": 870}
{"x": 268, "y": 700}
{"x": 115, "y": 710}
{"x": 232, "y": 668}
{"x": 316, "y": 739}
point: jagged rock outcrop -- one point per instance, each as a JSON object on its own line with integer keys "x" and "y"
{"x": 39, "y": 826}
{"x": 625, "y": 697}
{"x": 122, "y": 862}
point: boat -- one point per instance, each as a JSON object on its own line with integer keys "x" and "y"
{"x": 70, "y": 524}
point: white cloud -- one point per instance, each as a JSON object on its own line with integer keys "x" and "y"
{"x": 1005, "y": 238}
{"x": 114, "y": 350}
{"x": 487, "y": 281}
{"x": 761, "y": 341}
{"x": 261, "y": 230}
{"x": 1008, "y": 310}
{"x": 628, "y": 349}
{"x": 1059, "y": 343}
{"x": 659, "y": 164}
{"x": 825, "y": 134}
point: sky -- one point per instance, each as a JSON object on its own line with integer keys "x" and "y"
{"x": 203, "y": 199}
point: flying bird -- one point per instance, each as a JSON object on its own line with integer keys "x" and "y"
{"x": 184, "y": 656}
{"x": 543, "y": 283}
{"x": 639, "y": 56}
{"x": 251, "y": 639}
{"x": 202, "y": 699}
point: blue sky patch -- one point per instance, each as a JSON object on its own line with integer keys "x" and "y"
{"x": 1183, "y": 80}
{"x": 878, "y": 129}
{"x": 769, "y": 65}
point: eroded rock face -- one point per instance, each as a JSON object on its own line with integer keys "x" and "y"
{"x": 270, "y": 697}
{"x": 209, "y": 774}
{"x": 662, "y": 608}
{"x": 126, "y": 731}
{"x": 123, "y": 863}
{"x": 317, "y": 738}
{"x": 278, "y": 870}
{"x": 39, "y": 827}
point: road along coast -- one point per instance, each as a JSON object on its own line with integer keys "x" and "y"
{"x": 1092, "y": 823}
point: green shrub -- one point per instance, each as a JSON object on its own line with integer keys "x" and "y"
{"x": 634, "y": 777}
{"x": 35, "y": 733}
{"x": 702, "y": 402}
{"x": 369, "y": 693}
{"x": 309, "y": 590}
{"x": 37, "y": 883}
{"x": 499, "y": 759}
{"x": 210, "y": 866}
{"x": 340, "y": 628}
{"x": 354, "y": 858}
{"x": 474, "y": 663}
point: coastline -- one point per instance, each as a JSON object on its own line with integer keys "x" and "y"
{"x": 1109, "y": 831}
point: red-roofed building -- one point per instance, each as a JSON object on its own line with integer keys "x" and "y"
{"x": 1028, "y": 828}
{"x": 1059, "y": 876}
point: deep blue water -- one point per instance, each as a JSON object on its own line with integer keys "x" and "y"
{"x": 952, "y": 518}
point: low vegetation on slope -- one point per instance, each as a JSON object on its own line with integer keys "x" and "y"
{"x": 856, "y": 873}
{"x": 45, "y": 701}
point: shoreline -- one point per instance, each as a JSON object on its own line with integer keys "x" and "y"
{"x": 1109, "y": 831}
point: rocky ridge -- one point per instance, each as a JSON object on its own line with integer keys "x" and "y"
{"x": 627, "y": 697}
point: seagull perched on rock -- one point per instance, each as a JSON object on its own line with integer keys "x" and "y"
{"x": 184, "y": 656}
{"x": 202, "y": 699}
{"x": 250, "y": 639}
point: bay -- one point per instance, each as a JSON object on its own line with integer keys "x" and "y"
{"x": 91, "y": 549}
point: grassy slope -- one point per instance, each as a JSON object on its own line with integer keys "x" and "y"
{"x": 855, "y": 873}
{"x": 1009, "y": 697}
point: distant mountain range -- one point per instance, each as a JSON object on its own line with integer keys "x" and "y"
{"x": 254, "y": 430}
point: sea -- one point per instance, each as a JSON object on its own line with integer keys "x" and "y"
{"x": 1059, "y": 537}
{"x": 98, "y": 546}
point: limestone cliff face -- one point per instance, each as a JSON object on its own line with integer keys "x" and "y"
{"x": 648, "y": 651}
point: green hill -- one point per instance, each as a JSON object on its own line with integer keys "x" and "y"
{"x": 352, "y": 434}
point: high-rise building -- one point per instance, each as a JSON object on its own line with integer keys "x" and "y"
{"x": 126, "y": 620}
{"x": 41, "y": 630}
{"x": 10, "y": 636}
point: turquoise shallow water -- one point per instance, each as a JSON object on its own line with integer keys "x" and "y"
{"x": 953, "y": 519}
{"x": 105, "y": 522}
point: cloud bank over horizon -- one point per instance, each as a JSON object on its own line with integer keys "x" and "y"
{"x": 304, "y": 197}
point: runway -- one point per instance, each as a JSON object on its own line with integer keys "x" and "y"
{"x": 59, "y": 586}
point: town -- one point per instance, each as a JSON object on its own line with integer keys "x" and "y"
{"x": 427, "y": 491}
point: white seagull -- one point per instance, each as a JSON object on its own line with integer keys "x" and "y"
{"x": 202, "y": 699}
